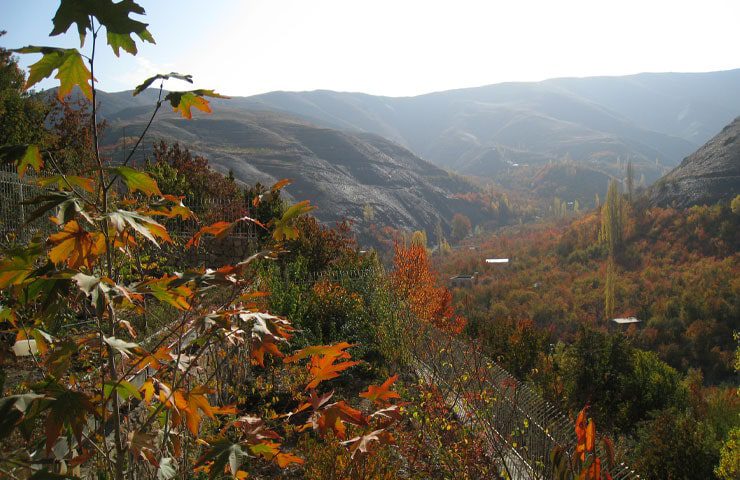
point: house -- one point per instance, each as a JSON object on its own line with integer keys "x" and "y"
{"x": 626, "y": 321}
{"x": 463, "y": 280}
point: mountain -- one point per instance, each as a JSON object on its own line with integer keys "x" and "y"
{"x": 709, "y": 175}
{"x": 653, "y": 119}
{"x": 341, "y": 172}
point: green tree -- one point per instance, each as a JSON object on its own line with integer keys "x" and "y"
{"x": 594, "y": 371}
{"x": 368, "y": 213}
{"x": 609, "y": 290}
{"x": 729, "y": 457}
{"x": 612, "y": 219}
{"x": 419, "y": 237}
{"x": 675, "y": 445}
{"x": 630, "y": 180}
{"x": 460, "y": 227}
{"x": 21, "y": 113}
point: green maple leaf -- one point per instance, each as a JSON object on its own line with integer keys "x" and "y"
{"x": 146, "y": 83}
{"x": 137, "y": 181}
{"x": 284, "y": 228}
{"x": 71, "y": 69}
{"x": 23, "y": 156}
{"x": 113, "y": 16}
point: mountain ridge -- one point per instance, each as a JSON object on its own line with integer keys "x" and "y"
{"x": 707, "y": 176}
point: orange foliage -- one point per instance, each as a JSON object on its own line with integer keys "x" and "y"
{"x": 414, "y": 279}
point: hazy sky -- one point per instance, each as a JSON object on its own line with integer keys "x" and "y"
{"x": 402, "y": 47}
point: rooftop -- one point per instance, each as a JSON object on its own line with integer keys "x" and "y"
{"x": 622, "y": 321}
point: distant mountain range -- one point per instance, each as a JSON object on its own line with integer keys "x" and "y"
{"x": 709, "y": 175}
{"x": 653, "y": 119}
{"x": 561, "y": 137}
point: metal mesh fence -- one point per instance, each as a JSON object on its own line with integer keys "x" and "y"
{"x": 17, "y": 192}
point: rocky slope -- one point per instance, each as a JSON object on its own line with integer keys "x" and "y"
{"x": 709, "y": 175}
{"x": 341, "y": 172}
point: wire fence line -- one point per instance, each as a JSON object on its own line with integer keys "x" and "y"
{"x": 17, "y": 192}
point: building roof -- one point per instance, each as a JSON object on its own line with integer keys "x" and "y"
{"x": 497, "y": 260}
{"x": 623, "y": 321}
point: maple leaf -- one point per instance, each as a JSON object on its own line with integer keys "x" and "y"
{"x": 284, "y": 227}
{"x": 63, "y": 182}
{"x": 324, "y": 368}
{"x": 75, "y": 246}
{"x": 114, "y": 16}
{"x": 334, "y": 416}
{"x": 65, "y": 407}
{"x": 336, "y": 350}
{"x": 183, "y": 101}
{"x": 362, "y": 445}
{"x": 222, "y": 452}
{"x": 161, "y": 76}
{"x": 161, "y": 356}
{"x": 267, "y": 331}
{"x": 285, "y": 459}
{"x": 68, "y": 63}
{"x": 23, "y": 156}
{"x": 388, "y": 414}
{"x": 315, "y": 402}
{"x": 145, "y": 226}
{"x": 280, "y": 184}
{"x": 167, "y": 289}
{"x": 218, "y": 230}
{"x": 254, "y": 429}
{"x": 137, "y": 181}
{"x": 147, "y": 389}
{"x": 381, "y": 394}
{"x": 197, "y": 402}
{"x": 18, "y": 265}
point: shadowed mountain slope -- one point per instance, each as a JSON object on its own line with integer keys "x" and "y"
{"x": 709, "y": 175}
{"x": 341, "y": 172}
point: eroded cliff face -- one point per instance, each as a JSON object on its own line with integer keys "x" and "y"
{"x": 709, "y": 175}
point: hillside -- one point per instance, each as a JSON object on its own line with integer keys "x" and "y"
{"x": 709, "y": 175}
{"x": 341, "y": 172}
{"x": 520, "y": 135}
{"x": 653, "y": 119}
{"x": 558, "y": 272}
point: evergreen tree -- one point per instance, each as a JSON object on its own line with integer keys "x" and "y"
{"x": 609, "y": 288}
{"x": 611, "y": 219}
{"x": 630, "y": 181}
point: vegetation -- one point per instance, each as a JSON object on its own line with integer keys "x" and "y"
{"x": 546, "y": 317}
{"x": 307, "y": 358}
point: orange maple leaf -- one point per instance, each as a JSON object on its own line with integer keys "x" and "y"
{"x": 76, "y": 246}
{"x": 324, "y": 368}
{"x": 381, "y": 394}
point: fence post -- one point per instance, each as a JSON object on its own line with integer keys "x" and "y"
{"x": 23, "y": 207}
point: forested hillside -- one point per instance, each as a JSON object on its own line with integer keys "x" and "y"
{"x": 547, "y": 315}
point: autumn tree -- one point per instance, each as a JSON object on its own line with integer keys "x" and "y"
{"x": 460, "y": 227}
{"x": 419, "y": 237}
{"x": 414, "y": 280}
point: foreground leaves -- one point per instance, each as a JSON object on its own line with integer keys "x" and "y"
{"x": 71, "y": 69}
{"x": 183, "y": 102}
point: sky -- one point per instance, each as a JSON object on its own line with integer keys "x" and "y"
{"x": 399, "y": 47}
